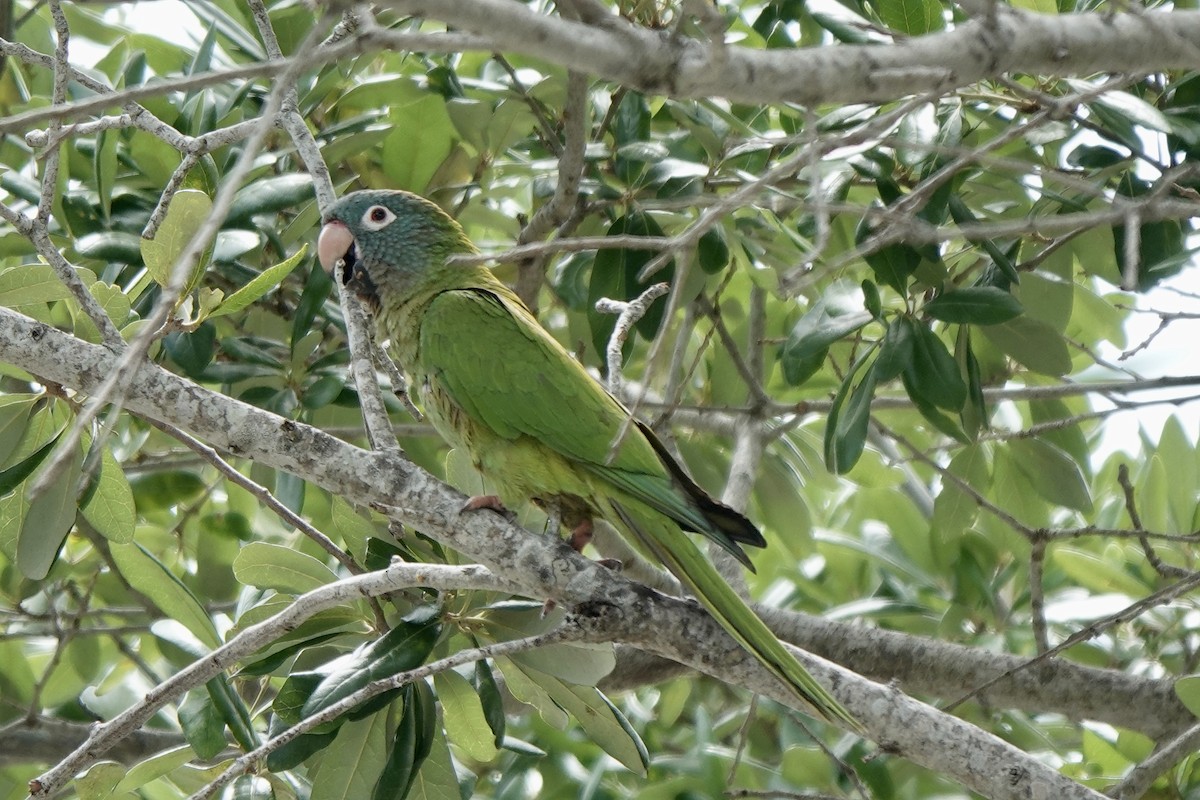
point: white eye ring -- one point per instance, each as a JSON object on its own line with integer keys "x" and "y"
{"x": 377, "y": 218}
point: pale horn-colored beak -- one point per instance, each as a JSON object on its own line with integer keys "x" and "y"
{"x": 333, "y": 244}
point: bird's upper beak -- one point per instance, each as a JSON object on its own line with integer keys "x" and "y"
{"x": 333, "y": 244}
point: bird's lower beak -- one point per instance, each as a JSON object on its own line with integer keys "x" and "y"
{"x": 333, "y": 244}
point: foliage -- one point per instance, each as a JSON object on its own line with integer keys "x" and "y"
{"x": 907, "y": 302}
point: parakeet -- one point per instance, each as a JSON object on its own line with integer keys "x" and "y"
{"x": 494, "y": 383}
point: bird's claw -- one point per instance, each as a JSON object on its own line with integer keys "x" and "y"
{"x": 489, "y": 502}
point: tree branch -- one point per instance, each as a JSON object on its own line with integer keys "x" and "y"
{"x": 670, "y": 627}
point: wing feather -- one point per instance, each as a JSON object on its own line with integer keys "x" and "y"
{"x": 536, "y": 389}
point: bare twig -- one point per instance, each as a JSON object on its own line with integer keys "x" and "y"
{"x": 629, "y": 313}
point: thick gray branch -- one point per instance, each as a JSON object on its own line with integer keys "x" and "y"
{"x": 669, "y": 627}
{"x": 661, "y": 62}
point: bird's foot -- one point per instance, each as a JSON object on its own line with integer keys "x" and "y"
{"x": 581, "y": 536}
{"x": 611, "y": 563}
{"x": 489, "y": 502}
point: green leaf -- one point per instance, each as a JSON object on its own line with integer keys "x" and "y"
{"x": 911, "y": 17}
{"x": 157, "y": 491}
{"x": 954, "y": 509}
{"x": 849, "y": 417}
{"x": 893, "y": 265}
{"x": 1098, "y": 573}
{"x": 264, "y": 282}
{"x": 1031, "y": 343}
{"x": 151, "y": 577}
{"x": 232, "y": 711}
{"x": 350, "y": 767}
{"x": 974, "y": 413}
{"x": 895, "y": 354}
{"x": 284, "y": 569}
{"x": 153, "y": 767}
{"x": 615, "y": 274}
{"x": 963, "y": 215}
{"x": 187, "y": 212}
{"x": 34, "y": 283}
{"x": 974, "y": 305}
{"x": 582, "y": 662}
{"x": 462, "y": 711}
{"x": 105, "y": 167}
{"x": 404, "y": 647}
{"x": 402, "y": 762}
{"x": 838, "y": 313}
{"x": 100, "y": 780}
{"x": 193, "y": 351}
{"x": 531, "y": 693}
{"x": 1052, "y": 473}
{"x": 110, "y": 508}
{"x": 932, "y": 375}
{"x": 299, "y": 750}
{"x": 491, "y": 699}
{"x": 14, "y": 419}
{"x": 599, "y": 718}
{"x": 1187, "y": 689}
{"x": 111, "y": 246}
{"x": 48, "y": 520}
{"x": 712, "y": 251}
{"x": 268, "y": 195}
{"x": 421, "y": 138}
{"x": 202, "y": 725}
{"x": 436, "y": 778}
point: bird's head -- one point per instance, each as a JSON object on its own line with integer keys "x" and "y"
{"x": 387, "y": 240}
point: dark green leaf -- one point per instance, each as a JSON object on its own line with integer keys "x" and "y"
{"x": 932, "y": 375}
{"x": 192, "y": 351}
{"x": 615, "y": 276}
{"x": 233, "y": 712}
{"x": 490, "y": 697}
{"x": 317, "y": 287}
{"x": 631, "y": 123}
{"x": 846, "y": 428}
{"x": 404, "y": 647}
{"x": 712, "y": 251}
{"x": 322, "y": 391}
{"x": 895, "y": 355}
{"x": 871, "y": 299}
{"x": 12, "y": 477}
{"x": 295, "y": 752}
{"x": 893, "y": 264}
{"x": 155, "y": 491}
{"x": 402, "y": 762}
{"x": 974, "y": 414}
{"x": 268, "y": 195}
{"x": 1091, "y": 156}
{"x": 974, "y": 305}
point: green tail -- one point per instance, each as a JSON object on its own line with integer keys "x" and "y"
{"x": 685, "y": 561}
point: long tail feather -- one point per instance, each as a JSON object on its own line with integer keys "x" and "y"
{"x": 685, "y": 561}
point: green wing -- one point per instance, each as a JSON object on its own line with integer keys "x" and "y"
{"x": 506, "y": 372}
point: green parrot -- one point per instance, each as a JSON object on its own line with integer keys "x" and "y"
{"x": 494, "y": 383}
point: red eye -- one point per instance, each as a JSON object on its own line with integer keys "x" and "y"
{"x": 378, "y": 214}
